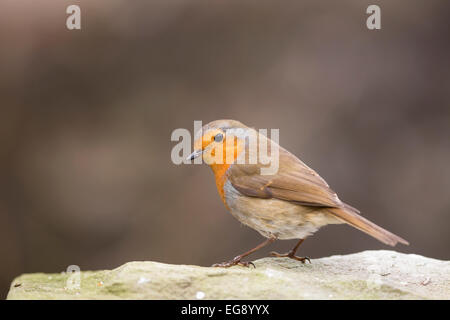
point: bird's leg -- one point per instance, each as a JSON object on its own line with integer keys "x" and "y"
{"x": 237, "y": 259}
{"x": 291, "y": 254}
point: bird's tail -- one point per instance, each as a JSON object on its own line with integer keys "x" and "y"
{"x": 351, "y": 216}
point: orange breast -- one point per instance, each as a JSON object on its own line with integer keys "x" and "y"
{"x": 221, "y": 169}
{"x": 220, "y": 176}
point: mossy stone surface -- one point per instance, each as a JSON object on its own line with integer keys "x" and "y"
{"x": 365, "y": 275}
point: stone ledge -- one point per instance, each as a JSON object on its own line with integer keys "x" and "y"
{"x": 365, "y": 275}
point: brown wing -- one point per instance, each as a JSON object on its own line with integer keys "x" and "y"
{"x": 294, "y": 182}
{"x": 298, "y": 183}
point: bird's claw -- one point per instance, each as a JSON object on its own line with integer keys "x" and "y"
{"x": 301, "y": 259}
{"x": 235, "y": 262}
{"x": 290, "y": 255}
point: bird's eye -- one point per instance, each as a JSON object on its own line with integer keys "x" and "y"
{"x": 218, "y": 137}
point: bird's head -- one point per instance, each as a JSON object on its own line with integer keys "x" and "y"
{"x": 220, "y": 142}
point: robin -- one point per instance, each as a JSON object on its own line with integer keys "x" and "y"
{"x": 292, "y": 203}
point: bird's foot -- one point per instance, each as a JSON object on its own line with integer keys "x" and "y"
{"x": 291, "y": 255}
{"x": 235, "y": 262}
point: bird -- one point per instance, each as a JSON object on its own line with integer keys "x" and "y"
{"x": 291, "y": 203}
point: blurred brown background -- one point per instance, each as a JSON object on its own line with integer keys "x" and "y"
{"x": 86, "y": 119}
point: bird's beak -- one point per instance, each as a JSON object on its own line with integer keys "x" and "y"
{"x": 194, "y": 154}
